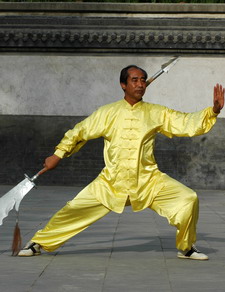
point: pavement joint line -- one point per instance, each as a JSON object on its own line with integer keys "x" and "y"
{"x": 43, "y": 271}
{"x": 112, "y": 247}
{"x": 164, "y": 257}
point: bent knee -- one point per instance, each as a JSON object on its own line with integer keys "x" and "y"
{"x": 191, "y": 196}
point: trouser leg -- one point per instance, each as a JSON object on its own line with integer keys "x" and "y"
{"x": 76, "y": 216}
{"x": 179, "y": 204}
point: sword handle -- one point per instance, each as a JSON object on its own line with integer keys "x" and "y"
{"x": 42, "y": 171}
{"x": 33, "y": 178}
{"x": 156, "y": 75}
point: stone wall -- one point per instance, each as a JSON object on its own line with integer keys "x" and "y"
{"x": 26, "y": 140}
{"x": 36, "y": 84}
{"x": 61, "y": 61}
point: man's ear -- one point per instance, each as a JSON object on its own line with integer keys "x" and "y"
{"x": 123, "y": 85}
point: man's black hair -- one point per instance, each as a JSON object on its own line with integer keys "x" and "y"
{"x": 124, "y": 73}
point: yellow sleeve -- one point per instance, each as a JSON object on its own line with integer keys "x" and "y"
{"x": 90, "y": 128}
{"x": 175, "y": 123}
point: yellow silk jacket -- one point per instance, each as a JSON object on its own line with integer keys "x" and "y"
{"x": 129, "y": 134}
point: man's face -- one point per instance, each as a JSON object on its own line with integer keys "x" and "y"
{"x": 135, "y": 87}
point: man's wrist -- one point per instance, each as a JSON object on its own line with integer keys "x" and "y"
{"x": 59, "y": 153}
{"x": 216, "y": 110}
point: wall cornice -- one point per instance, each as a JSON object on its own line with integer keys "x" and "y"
{"x": 73, "y": 8}
{"x": 97, "y": 28}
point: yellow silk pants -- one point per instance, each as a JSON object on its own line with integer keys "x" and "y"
{"x": 176, "y": 202}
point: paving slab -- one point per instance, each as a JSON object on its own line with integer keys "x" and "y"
{"x": 132, "y": 252}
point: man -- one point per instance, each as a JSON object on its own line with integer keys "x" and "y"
{"x": 131, "y": 175}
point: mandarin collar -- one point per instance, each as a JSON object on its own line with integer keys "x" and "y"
{"x": 136, "y": 105}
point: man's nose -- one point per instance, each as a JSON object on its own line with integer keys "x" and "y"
{"x": 140, "y": 83}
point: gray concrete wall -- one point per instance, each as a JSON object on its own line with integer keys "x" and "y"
{"x": 77, "y": 85}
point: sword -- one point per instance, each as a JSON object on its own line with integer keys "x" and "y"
{"x": 15, "y": 195}
{"x": 164, "y": 68}
{"x": 13, "y": 199}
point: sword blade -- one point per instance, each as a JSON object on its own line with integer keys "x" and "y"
{"x": 14, "y": 197}
{"x": 167, "y": 66}
{"x": 164, "y": 68}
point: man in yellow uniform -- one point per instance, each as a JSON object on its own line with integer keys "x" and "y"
{"x": 131, "y": 175}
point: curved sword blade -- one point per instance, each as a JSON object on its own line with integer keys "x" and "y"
{"x": 167, "y": 66}
{"x": 14, "y": 197}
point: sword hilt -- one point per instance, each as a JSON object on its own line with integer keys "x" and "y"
{"x": 32, "y": 178}
{"x": 156, "y": 75}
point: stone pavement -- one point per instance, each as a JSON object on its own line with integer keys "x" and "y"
{"x": 132, "y": 252}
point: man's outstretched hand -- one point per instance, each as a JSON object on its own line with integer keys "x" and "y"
{"x": 218, "y": 98}
{"x": 50, "y": 163}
